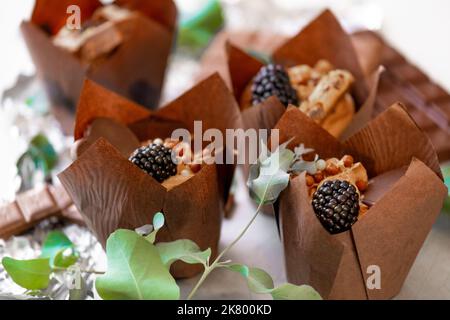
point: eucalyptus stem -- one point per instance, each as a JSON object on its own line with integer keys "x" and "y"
{"x": 59, "y": 269}
{"x": 205, "y": 274}
{"x": 211, "y": 267}
{"x": 92, "y": 271}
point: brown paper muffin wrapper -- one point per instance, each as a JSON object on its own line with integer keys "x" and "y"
{"x": 111, "y": 192}
{"x": 426, "y": 101}
{"x": 407, "y": 197}
{"x": 135, "y": 69}
{"x": 323, "y": 38}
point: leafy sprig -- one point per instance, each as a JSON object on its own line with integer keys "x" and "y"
{"x": 138, "y": 268}
{"x": 58, "y": 254}
{"x": 270, "y": 175}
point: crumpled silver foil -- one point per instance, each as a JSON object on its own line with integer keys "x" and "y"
{"x": 28, "y": 246}
{"x": 26, "y": 120}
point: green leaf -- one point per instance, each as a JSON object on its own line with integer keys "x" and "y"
{"x": 446, "y": 173}
{"x": 265, "y": 189}
{"x": 29, "y": 274}
{"x": 281, "y": 159}
{"x": 57, "y": 247}
{"x": 40, "y": 156}
{"x": 268, "y": 177}
{"x": 144, "y": 230}
{"x": 290, "y": 291}
{"x": 46, "y": 150}
{"x": 135, "y": 270}
{"x": 240, "y": 268}
{"x": 158, "y": 223}
{"x": 300, "y": 151}
{"x": 261, "y": 56}
{"x": 259, "y": 281}
{"x": 65, "y": 257}
{"x": 184, "y": 250}
{"x": 197, "y": 30}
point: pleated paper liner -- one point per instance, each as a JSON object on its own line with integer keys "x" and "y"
{"x": 323, "y": 38}
{"x": 111, "y": 192}
{"x": 264, "y": 115}
{"x": 407, "y": 193}
{"x": 134, "y": 69}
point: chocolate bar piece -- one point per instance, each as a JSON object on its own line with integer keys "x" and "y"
{"x": 427, "y": 102}
{"x": 73, "y": 215}
{"x": 409, "y": 73}
{"x": 60, "y": 196}
{"x": 36, "y": 204}
{"x": 11, "y": 220}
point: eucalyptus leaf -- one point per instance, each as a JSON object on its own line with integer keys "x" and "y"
{"x": 253, "y": 174}
{"x": 144, "y": 230}
{"x": 57, "y": 245}
{"x": 46, "y": 150}
{"x": 38, "y": 160}
{"x": 261, "y": 56}
{"x": 281, "y": 159}
{"x": 65, "y": 257}
{"x": 240, "y": 268}
{"x": 258, "y": 280}
{"x": 300, "y": 150}
{"x": 196, "y": 30}
{"x": 30, "y": 274}
{"x": 446, "y": 173}
{"x": 264, "y": 152}
{"x": 266, "y": 188}
{"x": 135, "y": 270}
{"x": 184, "y": 250}
{"x": 158, "y": 223}
{"x": 290, "y": 291}
{"x": 268, "y": 177}
{"x": 308, "y": 166}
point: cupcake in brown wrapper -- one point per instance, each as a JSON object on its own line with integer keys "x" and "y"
{"x": 112, "y": 192}
{"x": 124, "y": 46}
{"x": 404, "y": 196}
{"x": 317, "y": 60}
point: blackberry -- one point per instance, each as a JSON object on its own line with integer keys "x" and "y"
{"x": 273, "y": 80}
{"x": 336, "y": 204}
{"x": 156, "y": 160}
